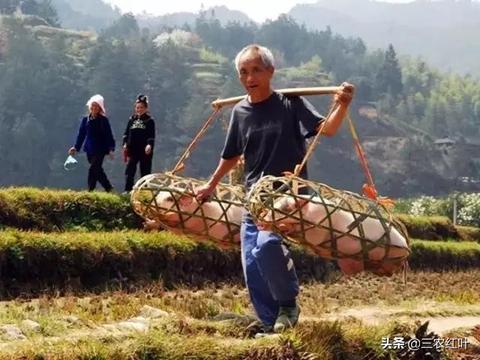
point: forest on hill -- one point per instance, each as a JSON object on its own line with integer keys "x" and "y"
{"x": 419, "y": 126}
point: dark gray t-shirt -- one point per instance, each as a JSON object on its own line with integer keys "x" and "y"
{"x": 271, "y": 135}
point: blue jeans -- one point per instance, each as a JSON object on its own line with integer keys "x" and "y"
{"x": 268, "y": 269}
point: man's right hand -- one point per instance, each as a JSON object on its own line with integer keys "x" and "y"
{"x": 203, "y": 193}
{"x": 72, "y": 151}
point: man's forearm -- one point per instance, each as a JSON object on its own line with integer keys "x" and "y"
{"x": 224, "y": 166}
{"x": 335, "y": 120}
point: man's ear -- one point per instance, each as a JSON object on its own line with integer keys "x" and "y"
{"x": 271, "y": 70}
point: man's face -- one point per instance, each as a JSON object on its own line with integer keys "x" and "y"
{"x": 254, "y": 75}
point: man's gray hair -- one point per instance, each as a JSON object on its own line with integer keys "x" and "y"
{"x": 264, "y": 53}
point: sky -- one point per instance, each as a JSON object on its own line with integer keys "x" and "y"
{"x": 257, "y": 10}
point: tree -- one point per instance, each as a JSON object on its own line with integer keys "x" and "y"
{"x": 8, "y": 7}
{"x": 124, "y": 28}
{"x": 44, "y": 9}
{"x": 389, "y": 76}
{"x": 288, "y": 37}
{"x": 47, "y": 11}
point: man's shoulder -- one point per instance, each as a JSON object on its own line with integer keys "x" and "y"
{"x": 286, "y": 100}
{"x": 241, "y": 109}
{"x": 291, "y": 100}
{"x": 242, "y": 104}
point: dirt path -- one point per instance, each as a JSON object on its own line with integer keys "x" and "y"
{"x": 439, "y": 324}
{"x": 446, "y": 324}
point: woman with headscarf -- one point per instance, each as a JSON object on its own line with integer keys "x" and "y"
{"x": 138, "y": 142}
{"x": 95, "y": 134}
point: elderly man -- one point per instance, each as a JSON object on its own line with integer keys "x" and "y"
{"x": 269, "y": 130}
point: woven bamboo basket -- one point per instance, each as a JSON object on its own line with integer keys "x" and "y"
{"x": 332, "y": 223}
{"x": 160, "y": 200}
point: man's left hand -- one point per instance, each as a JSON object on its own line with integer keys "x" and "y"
{"x": 345, "y": 94}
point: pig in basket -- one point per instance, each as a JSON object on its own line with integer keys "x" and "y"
{"x": 167, "y": 201}
{"x": 359, "y": 233}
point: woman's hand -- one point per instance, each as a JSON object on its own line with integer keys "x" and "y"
{"x": 148, "y": 149}
{"x": 72, "y": 151}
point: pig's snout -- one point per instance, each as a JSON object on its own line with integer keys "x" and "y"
{"x": 270, "y": 226}
{"x": 265, "y": 226}
{"x": 170, "y": 218}
{"x": 286, "y": 228}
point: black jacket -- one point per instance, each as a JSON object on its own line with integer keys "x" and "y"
{"x": 139, "y": 133}
{"x": 96, "y": 134}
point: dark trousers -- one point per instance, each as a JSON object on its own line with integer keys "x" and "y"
{"x": 268, "y": 269}
{"x": 96, "y": 172}
{"x": 145, "y": 168}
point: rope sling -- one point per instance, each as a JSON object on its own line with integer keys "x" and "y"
{"x": 150, "y": 192}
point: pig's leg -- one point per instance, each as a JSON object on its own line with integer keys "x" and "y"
{"x": 150, "y": 225}
{"x": 388, "y": 268}
{"x": 350, "y": 266}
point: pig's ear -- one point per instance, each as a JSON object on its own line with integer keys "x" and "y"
{"x": 189, "y": 188}
{"x": 287, "y": 205}
{"x": 185, "y": 200}
{"x": 300, "y": 203}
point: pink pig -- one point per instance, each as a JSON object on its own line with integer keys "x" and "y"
{"x": 343, "y": 228}
{"x": 205, "y": 220}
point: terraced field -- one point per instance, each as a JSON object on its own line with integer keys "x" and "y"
{"x": 95, "y": 287}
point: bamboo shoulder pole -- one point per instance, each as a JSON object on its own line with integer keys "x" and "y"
{"x": 326, "y": 90}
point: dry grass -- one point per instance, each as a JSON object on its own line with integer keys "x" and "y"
{"x": 199, "y": 326}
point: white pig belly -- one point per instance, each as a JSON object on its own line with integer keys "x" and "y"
{"x": 218, "y": 230}
{"x": 320, "y": 238}
{"x": 374, "y": 231}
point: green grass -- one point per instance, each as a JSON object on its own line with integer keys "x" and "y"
{"x": 469, "y": 233}
{"x": 442, "y": 255}
{"x": 32, "y": 262}
{"x": 429, "y": 227}
{"x": 63, "y": 210}
{"x": 54, "y": 210}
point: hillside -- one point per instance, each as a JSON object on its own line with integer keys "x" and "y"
{"x": 85, "y": 14}
{"x": 222, "y": 13}
{"x": 433, "y": 30}
{"x": 438, "y": 31}
{"x": 183, "y": 71}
